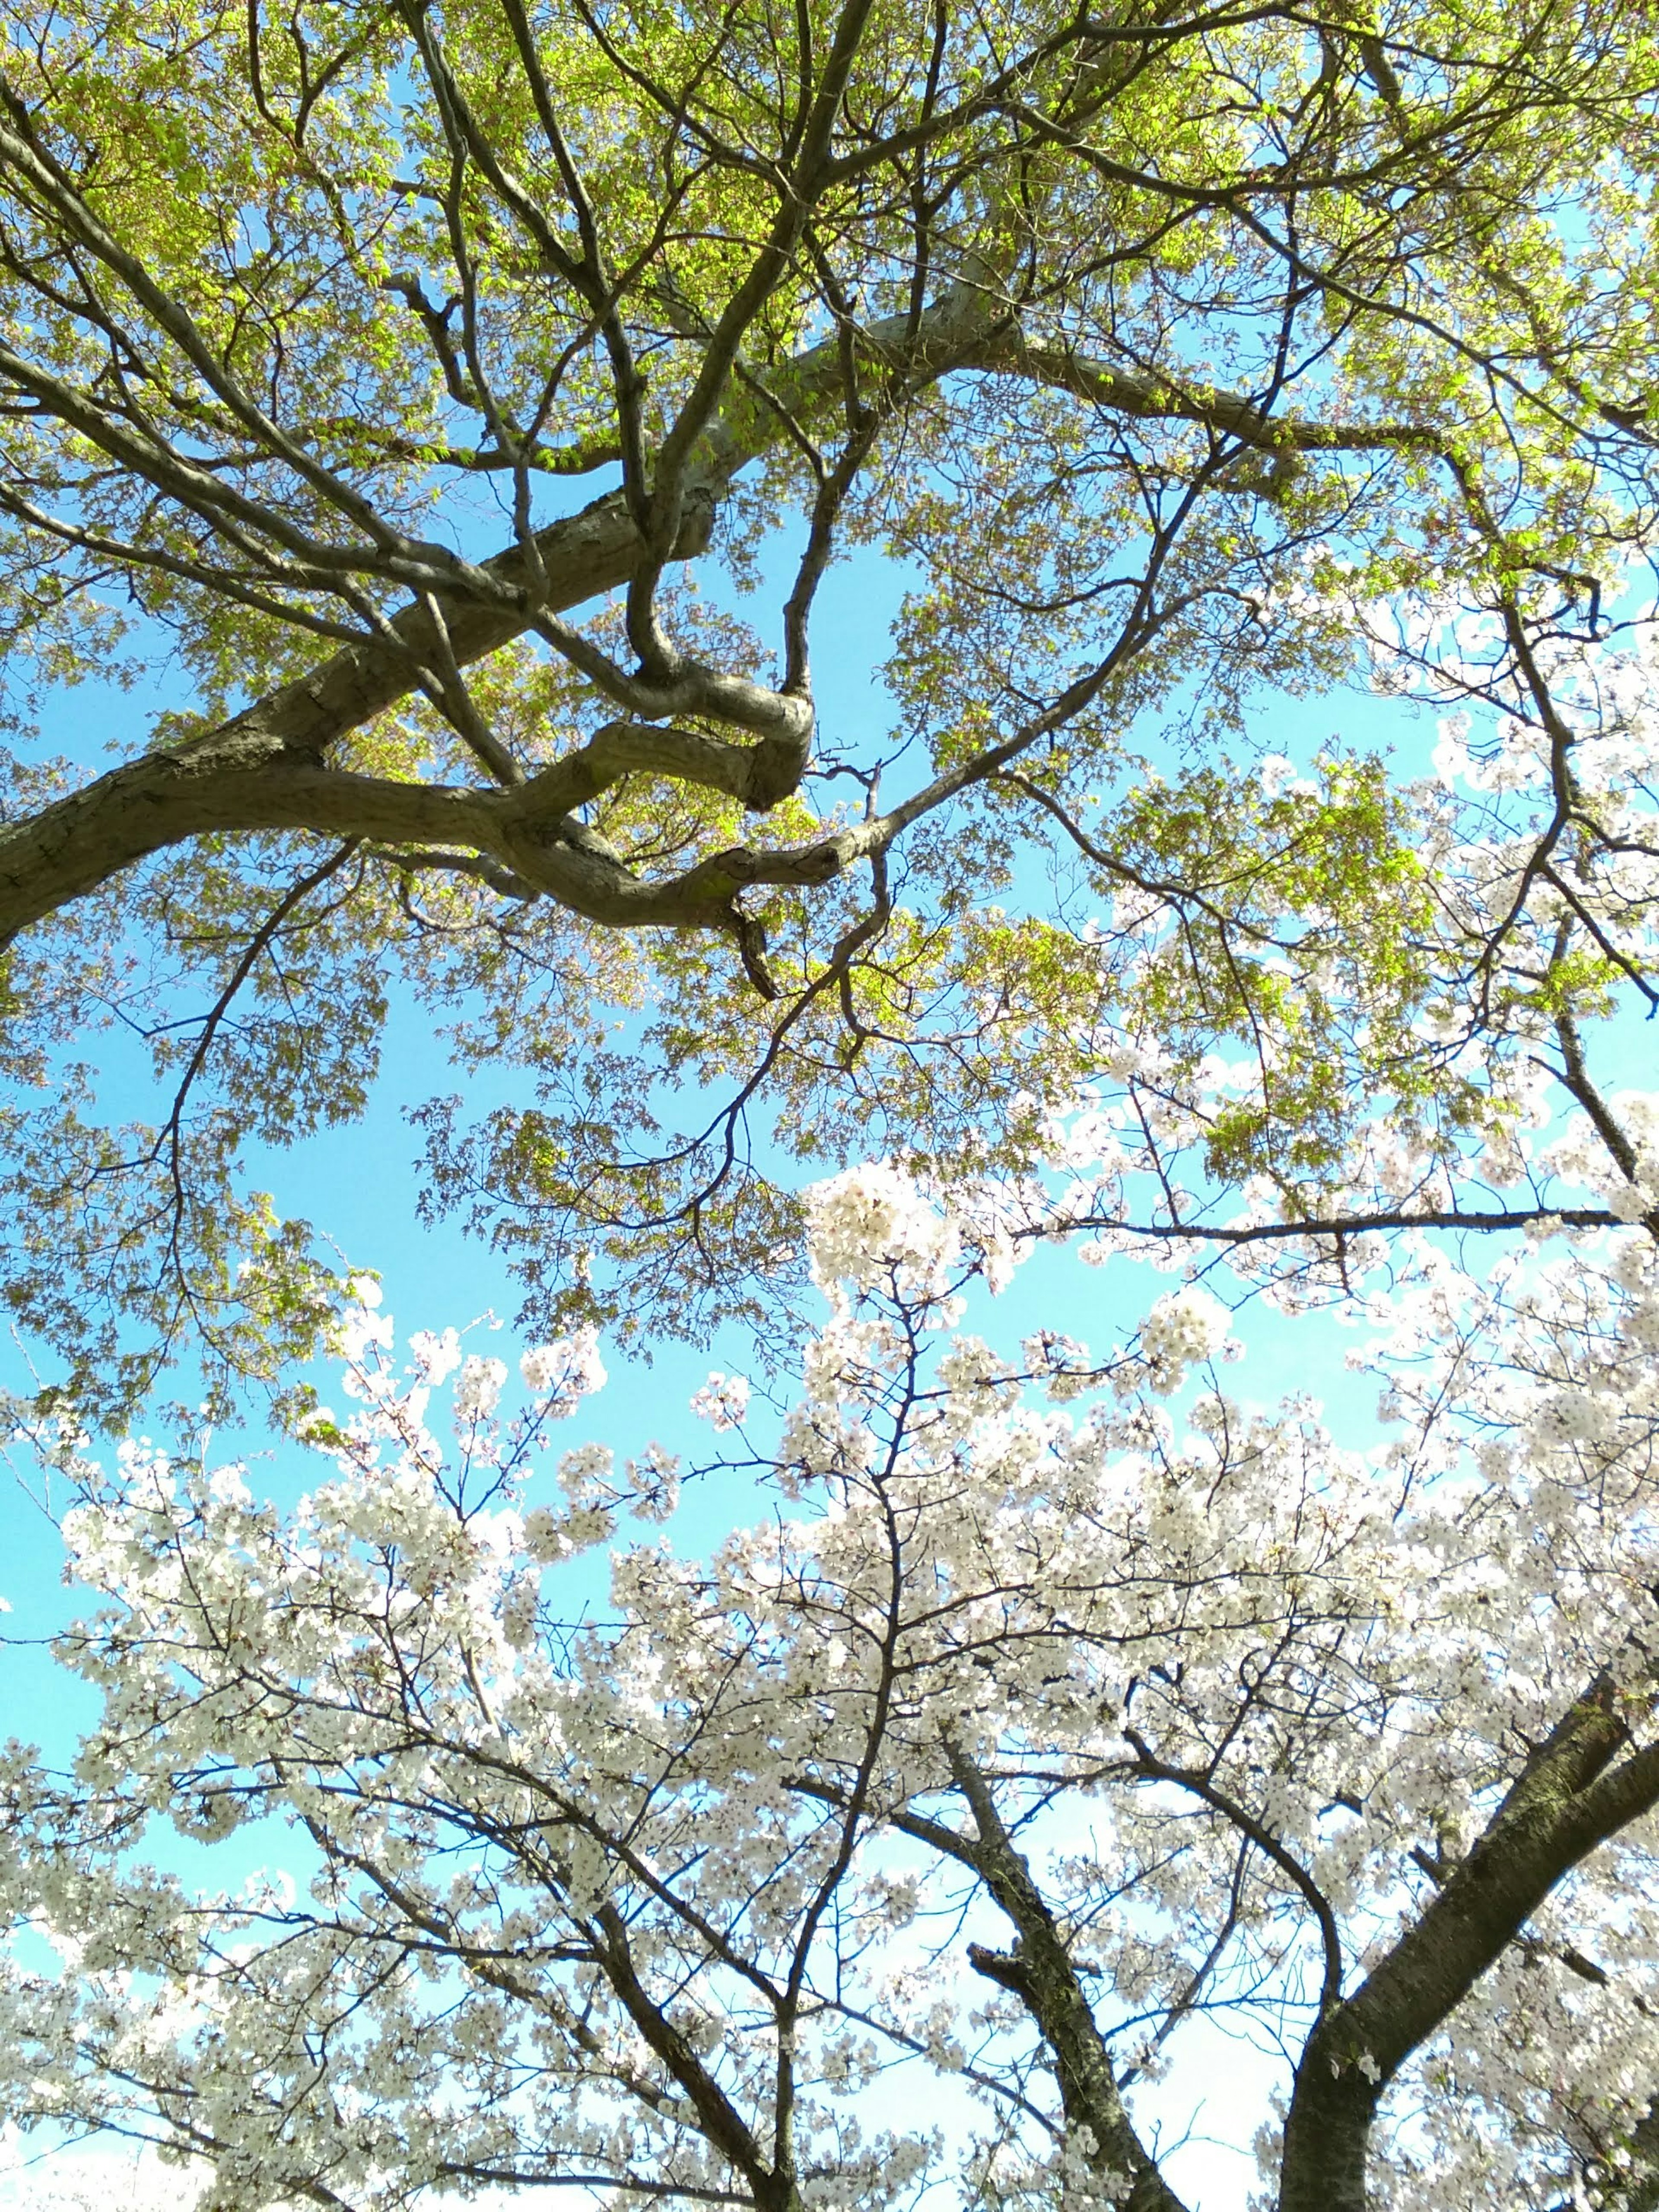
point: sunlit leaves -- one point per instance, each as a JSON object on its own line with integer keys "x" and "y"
{"x": 1187, "y": 363}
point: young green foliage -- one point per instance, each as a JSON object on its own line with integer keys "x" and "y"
{"x": 1185, "y": 356}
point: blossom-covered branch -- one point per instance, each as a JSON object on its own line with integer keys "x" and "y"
{"x": 1040, "y": 1720}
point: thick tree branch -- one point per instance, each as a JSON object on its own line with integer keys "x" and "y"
{"x": 1039, "y": 1972}
{"x": 250, "y": 771}
{"x": 1042, "y": 1974}
{"x": 1569, "y": 1798}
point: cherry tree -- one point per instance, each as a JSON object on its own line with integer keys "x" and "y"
{"x": 1053, "y": 1705}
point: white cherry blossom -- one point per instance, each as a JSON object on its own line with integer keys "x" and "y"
{"x": 889, "y": 1854}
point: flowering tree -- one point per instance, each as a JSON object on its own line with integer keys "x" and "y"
{"x": 881, "y": 1858}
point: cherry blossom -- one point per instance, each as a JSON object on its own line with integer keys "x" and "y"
{"x": 892, "y": 1853}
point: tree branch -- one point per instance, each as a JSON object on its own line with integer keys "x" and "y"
{"x": 1569, "y": 1798}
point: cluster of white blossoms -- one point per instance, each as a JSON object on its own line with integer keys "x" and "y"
{"x": 1184, "y": 1328}
{"x": 722, "y": 1401}
{"x": 1040, "y": 1721}
{"x": 872, "y": 1227}
{"x": 1630, "y": 1187}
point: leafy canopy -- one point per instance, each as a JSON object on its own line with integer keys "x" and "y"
{"x": 1188, "y": 357}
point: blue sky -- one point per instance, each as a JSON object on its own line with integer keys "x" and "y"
{"x": 356, "y": 1184}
